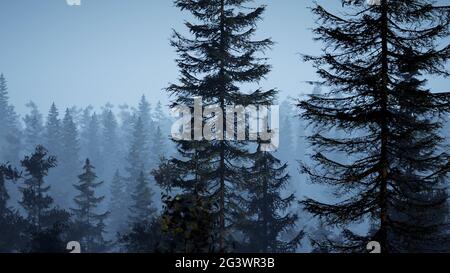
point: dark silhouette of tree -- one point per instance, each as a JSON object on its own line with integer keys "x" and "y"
{"x": 219, "y": 57}
{"x": 12, "y": 225}
{"x": 47, "y": 225}
{"x": 362, "y": 64}
{"x": 264, "y": 219}
{"x": 89, "y": 220}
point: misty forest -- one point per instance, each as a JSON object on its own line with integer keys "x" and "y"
{"x": 363, "y": 157}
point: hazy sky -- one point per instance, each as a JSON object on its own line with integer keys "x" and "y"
{"x": 116, "y": 50}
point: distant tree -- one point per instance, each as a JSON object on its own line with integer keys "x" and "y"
{"x": 69, "y": 161}
{"x": 118, "y": 208}
{"x": 34, "y": 128}
{"x": 94, "y": 143}
{"x": 89, "y": 221}
{"x": 144, "y": 113}
{"x": 110, "y": 143}
{"x": 136, "y": 158}
{"x": 142, "y": 208}
{"x": 10, "y": 131}
{"x": 158, "y": 146}
{"x": 52, "y": 133}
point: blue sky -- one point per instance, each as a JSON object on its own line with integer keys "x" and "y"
{"x": 116, "y": 50}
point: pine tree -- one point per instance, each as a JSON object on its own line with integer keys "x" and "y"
{"x": 10, "y": 131}
{"x": 421, "y": 211}
{"x": 136, "y": 156}
{"x": 89, "y": 221}
{"x": 158, "y": 146}
{"x": 144, "y": 113}
{"x": 84, "y": 123}
{"x": 220, "y": 57}
{"x": 68, "y": 160}
{"x": 265, "y": 219}
{"x": 94, "y": 152}
{"x": 362, "y": 64}
{"x": 117, "y": 207}
{"x": 36, "y": 201}
{"x": 34, "y": 128}
{"x": 47, "y": 225}
{"x": 12, "y": 225}
{"x": 110, "y": 143}
{"x": 52, "y": 134}
{"x": 142, "y": 208}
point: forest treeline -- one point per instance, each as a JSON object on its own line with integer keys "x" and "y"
{"x": 115, "y": 182}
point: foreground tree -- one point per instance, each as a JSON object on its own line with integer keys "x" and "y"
{"x": 47, "y": 225}
{"x": 378, "y": 109}
{"x": 265, "y": 219}
{"x": 12, "y": 225}
{"x": 219, "y": 57}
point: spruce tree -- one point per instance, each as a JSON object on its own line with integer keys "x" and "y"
{"x": 142, "y": 205}
{"x": 36, "y": 200}
{"x": 47, "y": 225}
{"x": 214, "y": 63}
{"x": 265, "y": 219}
{"x": 12, "y": 225}
{"x": 52, "y": 133}
{"x": 93, "y": 145}
{"x": 89, "y": 220}
{"x": 68, "y": 161}
{"x": 369, "y": 102}
{"x": 136, "y": 158}
{"x": 110, "y": 143}
{"x": 10, "y": 131}
{"x": 34, "y": 128}
{"x": 117, "y": 207}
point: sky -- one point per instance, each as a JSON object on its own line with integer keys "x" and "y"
{"x": 116, "y": 50}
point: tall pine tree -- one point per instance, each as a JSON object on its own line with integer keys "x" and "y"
{"x": 362, "y": 64}
{"x": 213, "y": 64}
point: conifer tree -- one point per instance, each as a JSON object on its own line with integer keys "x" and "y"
{"x": 213, "y": 63}
{"x": 142, "y": 205}
{"x": 36, "y": 200}
{"x": 94, "y": 152}
{"x": 12, "y": 225}
{"x": 52, "y": 134}
{"x": 47, "y": 225}
{"x": 34, "y": 128}
{"x": 110, "y": 143}
{"x": 10, "y": 131}
{"x": 68, "y": 161}
{"x": 265, "y": 217}
{"x": 89, "y": 220}
{"x": 117, "y": 207}
{"x": 362, "y": 65}
{"x": 136, "y": 158}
